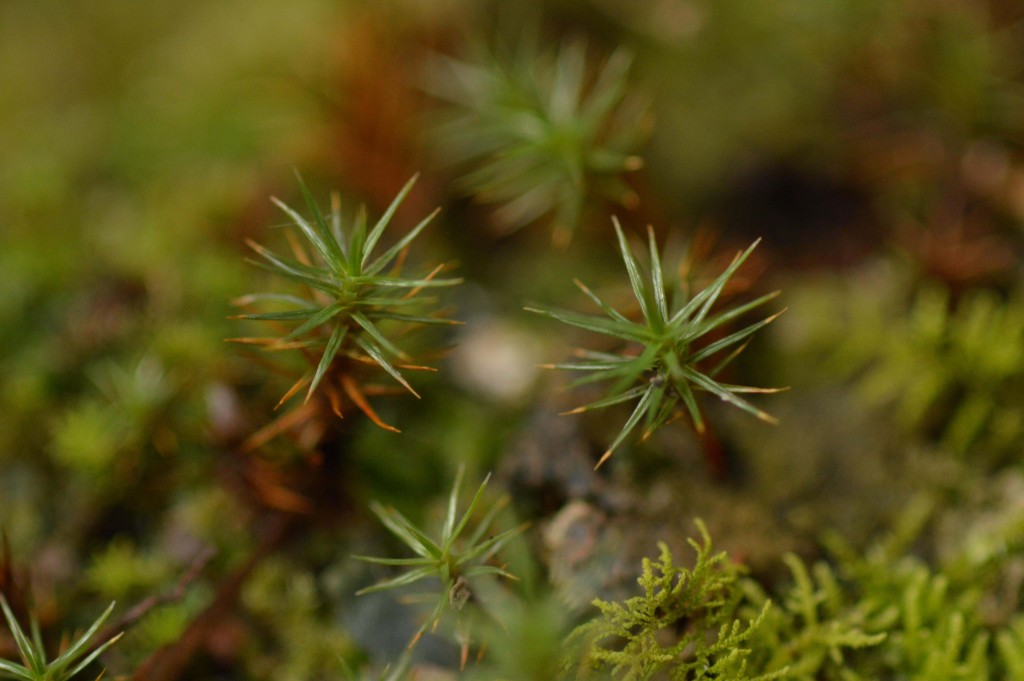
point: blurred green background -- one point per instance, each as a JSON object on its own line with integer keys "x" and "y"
{"x": 876, "y": 145}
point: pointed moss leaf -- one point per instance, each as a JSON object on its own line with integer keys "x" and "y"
{"x": 732, "y": 387}
{"x": 491, "y": 545}
{"x": 389, "y": 255}
{"x": 88, "y": 660}
{"x": 271, "y": 297}
{"x": 602, "y": 365}
{"x": 633, "y": 269}
{"x": 630, "y": 394}
{"x": 384, "y": 364}
{"x": 395, "y": 561}
{"x": 608, "y": 309}
{"x": 322, "y": 316}
{"x": 382, "y": 223}
{"x": 15, "y": 671}
{"x": 627, "y": 374}
{"x": 284, "y": 261}
{"x": 382, "y": 301}
{"x": 406, "y": 531}
{"x": 725, "y": 394}
{"x": 469, "y": 510}
{"x": 392, "y": 282}
{"x": 490, "y": 570}
{"x": 732, "y": 338}
{"x": 634, "y": 418}
{"x": 312, "y": 236}
{"x": 281, "y": 268}
{"x": 665, "y": 412}
{"x": 417, "y": 319}
{"x": 80, "y": 644}
{"x": 726, "y": 316}
{"x": 357, "y": 240}
{"x": 690, "y": 400}
{"x": 336, "y": 230}
{"x": 706, "y": 298}
{"x": 453, "y": 500}
{"x": 37, "y": 636}
{"x": 334, "y": 255}
{"x": 286, "y": 264}
{"x": 567, "y": 88}
{"x": 624, "y": 330}
{"x": 25, "y": 646}
{"x": 379, "y": 338}
{"x": 608, "y": 90}
{"x": 719, "y": 284}
{"x": 327, "y": 286}
{"x": 485, "y": 523}
{"x": 401, "y": 580}
{"x": 337, "y": 336}
{"x": 657, "y": 280}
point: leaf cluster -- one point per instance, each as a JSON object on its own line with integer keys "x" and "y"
{"x": 659, "y": 366}
{"x": 815, "y": 624}
{"x": 950, "y": 367}
{"x": 881, "y": 615}
{"x": 884, "y": 614}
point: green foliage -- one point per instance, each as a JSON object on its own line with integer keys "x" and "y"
{"x": 537, "y": 134}
{"x": 882, "y": 615}
{"x": 122, "y": 569}
{"x": 932, "y": 624}
{"x": 1010, "y": 644}
{"x": 139, "y": 392}
{"x": 684, "y": 624}
{"x": 526, "y": 645}
{"x": 87, "y": 437}
{"x": 163, "y": 626}
{"x": 289, "y": 603}
{"x": 950, "y": 367}
{"x": 72, "y": 660}
{"x": 658, "y": 366}
{"x": 453, "y": 561}
{"x": 132, "y": 162}
{"x": 815, "y": 624}
{"x": 350, "y": 295}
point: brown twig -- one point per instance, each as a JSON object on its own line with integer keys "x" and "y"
{"x": 170, "y": 662}
{"x": 143, "y": 608}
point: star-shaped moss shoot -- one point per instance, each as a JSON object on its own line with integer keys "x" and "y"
{"x": 349, "y": 302}
{"x": 453, "y": 559}
{"x": 661, "y": 362}
{"x": 541, "y": 134}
